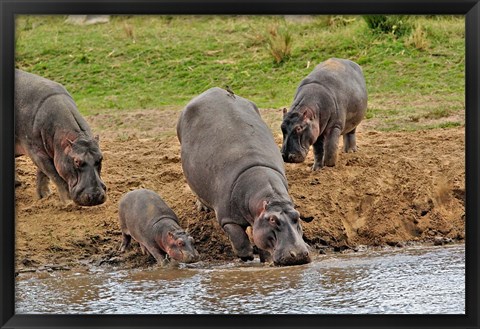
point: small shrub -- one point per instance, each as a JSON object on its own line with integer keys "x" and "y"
{"x": 340, "y": 20}
{"x": 418, "y": 39}
{"x": 437, "y": 113}
{"x": 397, "y": 25}
{"x": 129, "y": 31}
{"x": 279, "y": 43}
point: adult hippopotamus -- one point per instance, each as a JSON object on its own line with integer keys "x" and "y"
{"x": 51, "y": 131}
{"x": 146, "y": 217}
{"x": 232, "y": 164}
{"x": 331, "y": 101}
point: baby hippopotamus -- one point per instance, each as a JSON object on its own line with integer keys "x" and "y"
{"x": 146, "y": 217}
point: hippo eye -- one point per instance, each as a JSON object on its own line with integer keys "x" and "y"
{"x": 273, "y": 220}
{"x": 298, "y": 129}
{"x": 78, "y": 163}
{"x": 181, "y": 243}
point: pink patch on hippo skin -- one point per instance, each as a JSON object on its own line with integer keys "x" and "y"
{"x": 19, "y": 150}
{"x": 333, "y": 64}
{"x": 262, "y": 209}
{"x": 308, "y": 114}
{"x": 180, "y": 243}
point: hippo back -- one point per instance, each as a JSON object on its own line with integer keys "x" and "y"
{"x": 31, "y": 93}
{"x": 221, "y": 137}
{"x": 341, "y": 77}
{"x": 140, "y": 209}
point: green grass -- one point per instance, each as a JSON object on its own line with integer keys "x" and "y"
{"x": 155, "y": 62}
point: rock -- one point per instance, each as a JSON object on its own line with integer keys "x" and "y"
{"x": 440, "y": 241}
{"x": 87, "y": 19}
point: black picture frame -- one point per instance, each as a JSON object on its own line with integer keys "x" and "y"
{"x": 8, "y": 10}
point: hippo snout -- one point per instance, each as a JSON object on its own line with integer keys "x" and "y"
{"x": 293, "y": 158}
{"x": 191, "y": 258}
{"x": 93, "y": 198}
{"x": 292, "y": 257}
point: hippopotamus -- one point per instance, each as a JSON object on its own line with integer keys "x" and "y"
{"x": 52, "y": 132}
{"x": 331, "y": 101}
{"x": 144, "y": 216}
{"x": 234, "y": 167}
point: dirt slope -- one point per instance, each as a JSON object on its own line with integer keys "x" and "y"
{"x": 400, "y": 187}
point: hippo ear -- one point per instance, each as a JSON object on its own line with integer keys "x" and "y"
{"x": 308, "y": 114}
{"x": 263, "y": 208}
{"x": 284, "y": 112}
{"x": 67, "y": 145}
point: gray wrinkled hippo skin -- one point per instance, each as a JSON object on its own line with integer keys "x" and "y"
{"x": 51, "y": 131}
{"x": 144, "y": 216}
{"x": 331, "y": 101}
{"x": 232, "y": 164}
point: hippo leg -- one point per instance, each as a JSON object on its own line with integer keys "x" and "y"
{"x": 331, "y": 146}
{"x": 46, "y": 166}
{"x": 157, "y": 253}
{"x": 318, "y": 149}
{"x": 42, "y": 184}
{"x": 349, "y": 142}
{"x": 240, "y": 242}
{"x": 265, "y": 256}
{"x": 125, "y": 241}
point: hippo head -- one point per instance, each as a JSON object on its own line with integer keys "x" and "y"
{"x": 179, "y": 246}
{"x": 300, "y": 130}
{"x": 80, "y": 165}
{"x": 277, "y": 230}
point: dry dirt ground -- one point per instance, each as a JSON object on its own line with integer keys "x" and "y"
{"x": 398, "y": 188}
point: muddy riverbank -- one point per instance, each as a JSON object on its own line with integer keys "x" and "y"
{"x": 400, "y": 188}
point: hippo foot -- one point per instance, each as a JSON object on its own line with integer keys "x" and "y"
{"x": 317, "y": 167}
{"x": 44, "y": 193}
{"x": 330, "y": 161}
{"x": 265, "y": 256}
{"x": 144, "y": 250}
{"x": 247, "y": 258}
{"x": 123, "y": 248}
{"x": 201, "y": 206}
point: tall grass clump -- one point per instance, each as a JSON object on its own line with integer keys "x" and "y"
{"x": 279, "y": 43}
{"x": 397, "y": 25}
{"x": 418, "y": 39}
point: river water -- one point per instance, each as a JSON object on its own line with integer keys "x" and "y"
{"x": 414, "y": 280}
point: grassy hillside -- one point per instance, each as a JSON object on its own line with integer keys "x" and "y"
{"x": 158, "y": 62}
